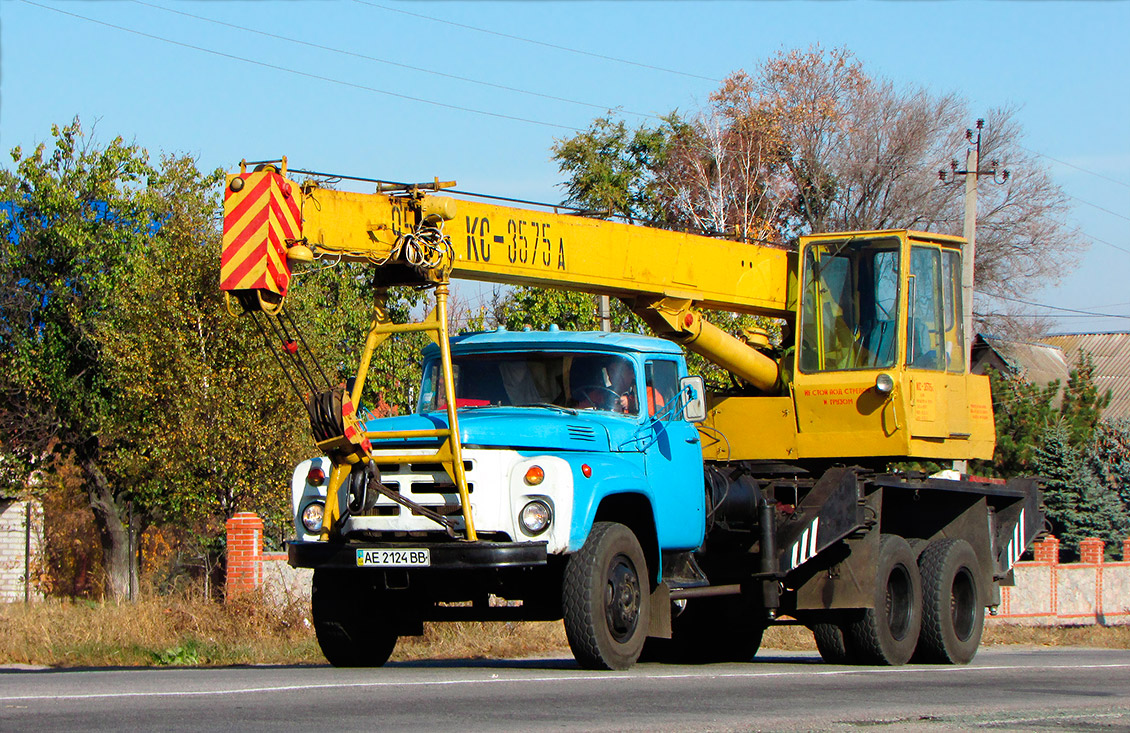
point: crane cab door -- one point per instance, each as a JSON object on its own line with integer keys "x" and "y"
{"x": 935, "y": 381}
{"x": 849, "y": 333}
{"x": 880, "y": 365}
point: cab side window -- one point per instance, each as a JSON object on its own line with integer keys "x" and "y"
{"x": 955, "y": 313}
{"x": 925, "y": 327}
{"x": 661, "y": 380}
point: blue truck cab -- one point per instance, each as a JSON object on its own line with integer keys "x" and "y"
{"x": 562, "y": 433}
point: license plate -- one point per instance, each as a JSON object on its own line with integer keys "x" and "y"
{"x": 402, "y": 558}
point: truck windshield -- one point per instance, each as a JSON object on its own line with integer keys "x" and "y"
{"x": 605, "y": 382}
{"x": 849, "y": 308}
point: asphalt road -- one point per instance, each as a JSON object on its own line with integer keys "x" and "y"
{"x": 1004, "y": 689}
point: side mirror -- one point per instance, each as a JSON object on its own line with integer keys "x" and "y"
{"x": 692, "y": 390}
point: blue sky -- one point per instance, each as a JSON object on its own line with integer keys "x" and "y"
{"x": 1064, "y": 65}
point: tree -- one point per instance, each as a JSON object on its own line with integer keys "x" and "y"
{"x": 811, "y": 142}
{"x": 719, "y": 175}
{"x": 1077, "y": 503}
{"x": 80, "y": 213}
{"x": 1023, "y": 413}
{"x": 863, "y": 153}
{"x": 1083, "y": 461}
{"x": 118, "y": 357}
{"x": 611, "y": 169}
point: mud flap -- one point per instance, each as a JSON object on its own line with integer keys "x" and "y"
{"x": 1017, "y": 525}
{"x": 830, "y": 512}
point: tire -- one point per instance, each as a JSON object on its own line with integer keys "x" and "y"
{"x": 347, "y": 620}
{"x": 887, "y": 633}
{"x": 606, "y": 598}
{"x": 953, "y": 603}
{"x": 709, "y": 630}
{"x": 830, "y": 643}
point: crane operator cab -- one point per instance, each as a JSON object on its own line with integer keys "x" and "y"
{"x": 881, "y": 366}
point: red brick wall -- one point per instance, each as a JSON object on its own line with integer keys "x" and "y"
{"x": 245, "y": 554}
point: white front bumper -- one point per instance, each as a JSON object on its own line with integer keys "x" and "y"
{"x": 497, "y": 488}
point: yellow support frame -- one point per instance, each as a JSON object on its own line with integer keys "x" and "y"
{"x": 450, "y": 452}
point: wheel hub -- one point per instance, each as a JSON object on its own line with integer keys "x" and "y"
{"x": 622, "y": 598}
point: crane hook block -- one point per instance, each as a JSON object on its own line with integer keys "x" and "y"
{"x": 262, "y": 216}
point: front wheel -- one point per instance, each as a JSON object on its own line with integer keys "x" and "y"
{"x": 953, "y": 606}
{"x": 348, "y": 619}
{"x": 606, "y": 598}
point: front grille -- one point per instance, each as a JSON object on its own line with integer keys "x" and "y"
{"x": 426, "y": 482}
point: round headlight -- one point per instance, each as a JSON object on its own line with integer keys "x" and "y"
{"x": 535, "y": 517}
{"x": 884, "y": 384}
{"x": 312, "y": 517}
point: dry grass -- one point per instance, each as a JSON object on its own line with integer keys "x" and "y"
{"x": 1104, "y": 637}
{"x": 172, "y": 631}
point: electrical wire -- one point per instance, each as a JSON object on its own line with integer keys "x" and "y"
{"x": 538, "y": 43}
{"x": 1072, "y": 165}
{"x": 1096, "y": 206}
{"x": 375, "y": 59}
{"x": 1058, "y": 308}
{"x": 308, "y": 75}
{"x": 1036, "y": 315}
{"x": 1109, "y": 244}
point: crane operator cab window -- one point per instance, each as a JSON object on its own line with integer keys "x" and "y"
{"x": 849, "y": 312}
{"x": 934, "y": 334}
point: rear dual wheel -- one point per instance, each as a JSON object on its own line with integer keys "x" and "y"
{"x": 887, "y": 633}
{"x": 953, "y": 603}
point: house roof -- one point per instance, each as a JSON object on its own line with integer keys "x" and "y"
{"x": 1037, "y": 363}
{"x": 1111, "y": 354}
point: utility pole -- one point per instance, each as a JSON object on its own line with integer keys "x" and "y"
{"x": 604, "y": 313}
{"x": 972, "y": 174}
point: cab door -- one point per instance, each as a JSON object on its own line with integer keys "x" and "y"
{"x": 673, "y": 456}
{"x": 849, "y": 335}
{"x": 925, "y": 381}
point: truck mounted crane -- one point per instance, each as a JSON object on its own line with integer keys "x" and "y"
{"x": 587, "y": 476}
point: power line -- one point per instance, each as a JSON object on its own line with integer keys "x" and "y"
{"x": 538, "y": 43}
{"x": 1096, "y": 206}
{"x": 306, "y": 74}
{"x": 1033, "y": 315}
{"x": 1072, "y": 165}
{"x": 390, "y": 63}
{"x": 1109, "y": 244}
{"x": 1058, "y": 308}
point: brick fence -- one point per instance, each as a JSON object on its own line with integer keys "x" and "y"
{"x": 249, "y": 568}
{"x": 1046, "y": 592}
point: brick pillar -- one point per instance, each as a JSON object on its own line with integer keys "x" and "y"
{"x": 1047, "y": 550}
{"x": 1126, "y": 550}
{"x": 1091, "y": 550}
{"x": 244, "y": 554}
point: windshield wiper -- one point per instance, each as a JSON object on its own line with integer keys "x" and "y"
{"x": 550, "y": 406}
